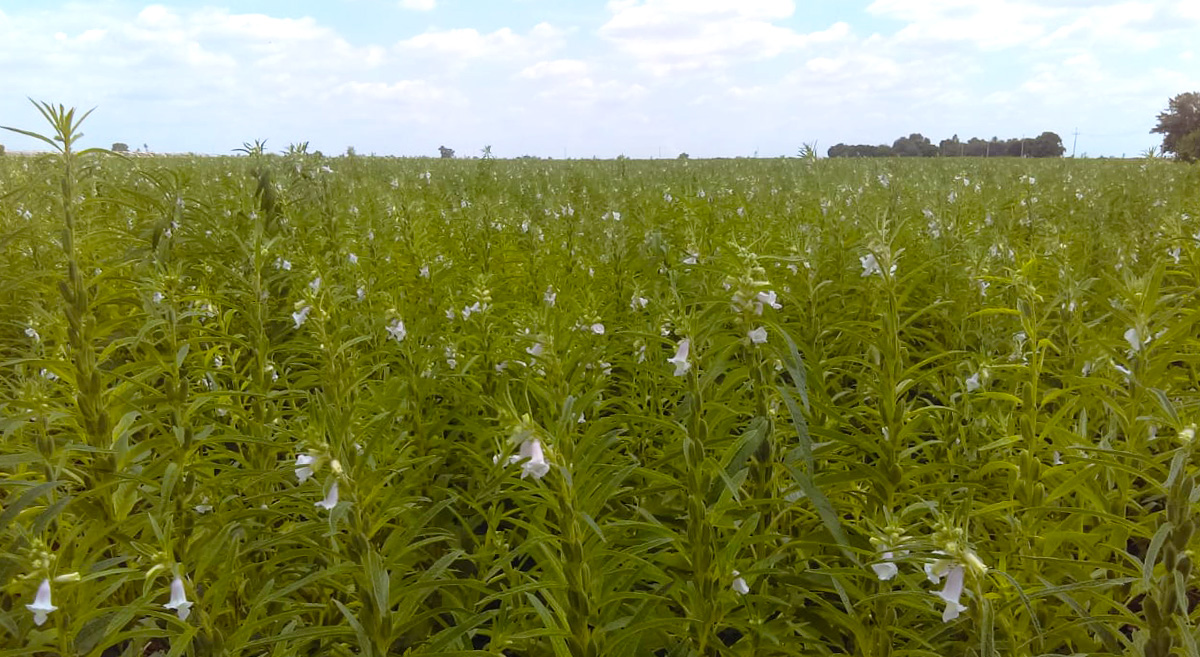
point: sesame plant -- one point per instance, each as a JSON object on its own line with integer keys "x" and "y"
{"x": 287, "y": 404}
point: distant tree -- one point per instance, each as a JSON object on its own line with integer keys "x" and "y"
{"x": 446, "y": 153}
{"x": 1188, "y": 148}
{"x": 683, "y": 156}
{"x": 1047, "y": 144}
{"x": 350, "y": 152}
{"x": 914, "y": 145}
{"x": 975, "y": 147}
{"x": 951, "y": 147}
{"x": 1, "y": 149}
{"x": 1180, "y": 126}
{"x": 120, "y": 147}
{"x": 487, "y": 152}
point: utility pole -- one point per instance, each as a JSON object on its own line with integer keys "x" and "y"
{"x": 1074, "y": 141}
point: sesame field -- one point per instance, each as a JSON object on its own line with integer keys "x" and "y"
{"x": 287, "y": 404}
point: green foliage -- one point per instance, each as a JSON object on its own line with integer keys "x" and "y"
{"x": 120, "y": 147}
{"x": 746, "y": 407}
{"x": 1180, "y": 126}
{"x": 1047, "y": 144}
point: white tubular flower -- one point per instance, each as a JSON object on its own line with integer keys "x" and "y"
{"x": 396, "y": 330}
{"x": 532, "y": 459}
{"x": 179, "y": 602}
{"x": 550, "y": 296}
{"x": 304, "y": 463}
{"x": 301, "y": 316}
{"x": 1134, "y": 340}
{"x": 597, "y": 328}
{"x": 758, "y": 335}
{"x": 535, "y": 464}
{"x": 680, "y": 360}
{"x": 739, "y": 584}
{"x": 973, "y": 382}
{"x": 951, "y": 593}
{"x": 870, "y": 265}
{"x": 768, "y": 298}
{"x": 886, "y": 569}
{"x": 41, "y": 606}
{"x": 331, "y": 498}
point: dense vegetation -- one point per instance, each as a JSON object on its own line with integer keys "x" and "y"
{"x": 291, "y": 405}
{"x": 1047, "y": 144}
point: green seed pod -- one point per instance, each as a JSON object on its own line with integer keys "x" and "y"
{"x": 1183, "y": 565}
{"x": 1150, "y": 608}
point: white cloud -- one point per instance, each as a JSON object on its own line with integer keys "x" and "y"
{"x": 419, "y": 5}
{"x": 1001, "y": 24}
{"x": 668, "y": 36}
{"x": 554, "y": 69}
{"x": 469, "y": 43}
{"x": 990, "y": 24}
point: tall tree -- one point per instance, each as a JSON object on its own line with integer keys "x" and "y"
{"x": 1047, "y": 144}
{"x": 1180, "y": 126}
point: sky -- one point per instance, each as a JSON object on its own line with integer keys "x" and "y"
{"x": 580, "y": 79}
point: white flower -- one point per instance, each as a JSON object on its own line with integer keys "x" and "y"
{"x": 41, "y": 606}
{"x": 954, "y": 572}
{"x": 536, "y": 350}
{"x": 597, "y": 328}
{"x": 871, "y": 266}
{"x": 32, "y": 333}
{"x": 532, "y": 459}
{"x": 973, "y": 382}
{"x": 424, "y": 271}
{"x": 768, "y": 298}
{"x": 680, "y": 360}
{"x": 157, "y": 297}
{"x": 638, "y": 302}
{"x": 758, "y": 335}
{"x": 952, "y": 591}
{"x": 1135, "y": 342}
{"x": 397, "y": 330}
{"x": 179, "y": 602}
{"x": 283, "y": 264}
{"x": 353, "y": 259}
{"x": 304, "y": 469}
{"x": 301, "y": 316}
{"x": 886, "y": 569}
{"x": 362, "y": 293}
{"x": 315, "y": 284}
{"x": 331, "y": 498}
{"x": 739, "y": 584}
{"x": 691, "y": 258}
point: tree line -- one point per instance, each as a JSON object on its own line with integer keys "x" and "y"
{"x": 1047, "y": 144}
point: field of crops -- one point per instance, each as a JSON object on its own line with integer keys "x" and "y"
{"x": 297, "y": 405}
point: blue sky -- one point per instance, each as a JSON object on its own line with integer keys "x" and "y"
{"x": 644, "y": 78}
